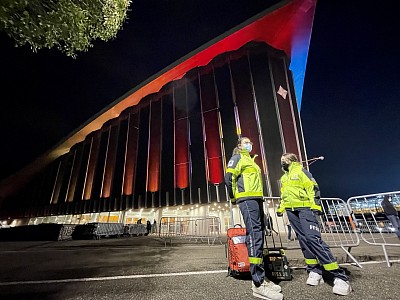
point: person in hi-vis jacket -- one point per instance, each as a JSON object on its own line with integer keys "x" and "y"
{"x": 300, "y": 199}
{"x": 244, "y": 184}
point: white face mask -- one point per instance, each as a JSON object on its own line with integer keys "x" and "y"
{"x": 247, "y": 147}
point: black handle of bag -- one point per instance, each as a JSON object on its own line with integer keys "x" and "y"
{"x": 238, "y": 226}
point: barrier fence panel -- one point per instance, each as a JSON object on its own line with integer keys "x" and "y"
{"x": 108, "y": 229}
{"x": 336, "y": 225}
{"x": 66, "y": 232}
{"x": 135, "y": 229}
{"x": 190, "y": 229}
{"x": 371, "y": 221}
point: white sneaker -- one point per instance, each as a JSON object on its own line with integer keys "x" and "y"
{"x": 271, "y": 285}
{"x": 264, "y": 291}
{"x": 314, "y": 279}
{"x": 341, "y": 287}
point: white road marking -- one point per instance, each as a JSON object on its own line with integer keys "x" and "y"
{"x": 151, "y": 275}
{"x": 110, "y": 278}
{"x": 371, "y": 262}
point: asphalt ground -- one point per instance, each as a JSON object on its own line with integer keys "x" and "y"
{"x": 142, "y": 268}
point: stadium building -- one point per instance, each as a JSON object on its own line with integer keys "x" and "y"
{"x": 160, "y": 150}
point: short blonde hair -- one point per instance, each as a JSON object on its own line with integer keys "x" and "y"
{"x": 289, "y": 158}
{"x": 240, "y": 140}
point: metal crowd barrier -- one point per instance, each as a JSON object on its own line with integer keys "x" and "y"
{"x": 135, "y": 229}
{"x": 66, "y": 232}
{"x": 109, "y": 229}
{"x": 96, "y": 230}
{"x": 190, "y": 229}
{"x": 336, "y": 225}
{"x": 371, "y": 222}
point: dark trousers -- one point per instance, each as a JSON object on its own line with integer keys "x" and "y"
{"x": 305, "y": 224}
{"x": 253, "y": 212}
{"x": 394, "y": 219}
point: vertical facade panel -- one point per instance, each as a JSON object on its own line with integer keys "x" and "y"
{"x": 98, "y": 205}
{"x": 58, "y": 182}
{"x": 212, "y": 131}
{"x": 116, "y": 192}
{"x": 110, "y": 161}
{"x": 141, "y": 163}
{"x": 181, "y": 143}
{"x": 154, "y": 159}
{"x": 211, "y": 128}
{"x": 264, "y": 94}
{"x": 94, "y": 151}
{"x": 244, "y": 101}
{"x": 74, "y": 173}
{"x": 80, "y": 182}
{"x": 181, "y": 157}
{"x": 285, "y": 111}
{"x": 213, "y": 146}
{"x": 226, "y": 107}
{"x": 197, "y": 170}
{"x": 130, "y": 157}
{"x": 45, "y": 193}
{"x": 167, "y": 152}
{"x": 223, "y": 84}
{"x": 63, "y": 177}
{"x": 67, "y": 176}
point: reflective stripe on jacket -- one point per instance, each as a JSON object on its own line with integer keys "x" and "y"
{"x": 298, "y": 189}
{"x": 243, "y": 177}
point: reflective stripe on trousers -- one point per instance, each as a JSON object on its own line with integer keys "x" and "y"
{"x": 315, "y": 250}
{"x": 251, "y": 210}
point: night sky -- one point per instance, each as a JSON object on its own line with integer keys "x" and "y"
{"x": 350, "y": 110}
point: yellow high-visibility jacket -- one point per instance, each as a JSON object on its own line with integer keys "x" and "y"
{"x": 243, "y": 178}
{"x": 299, "y": 189}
